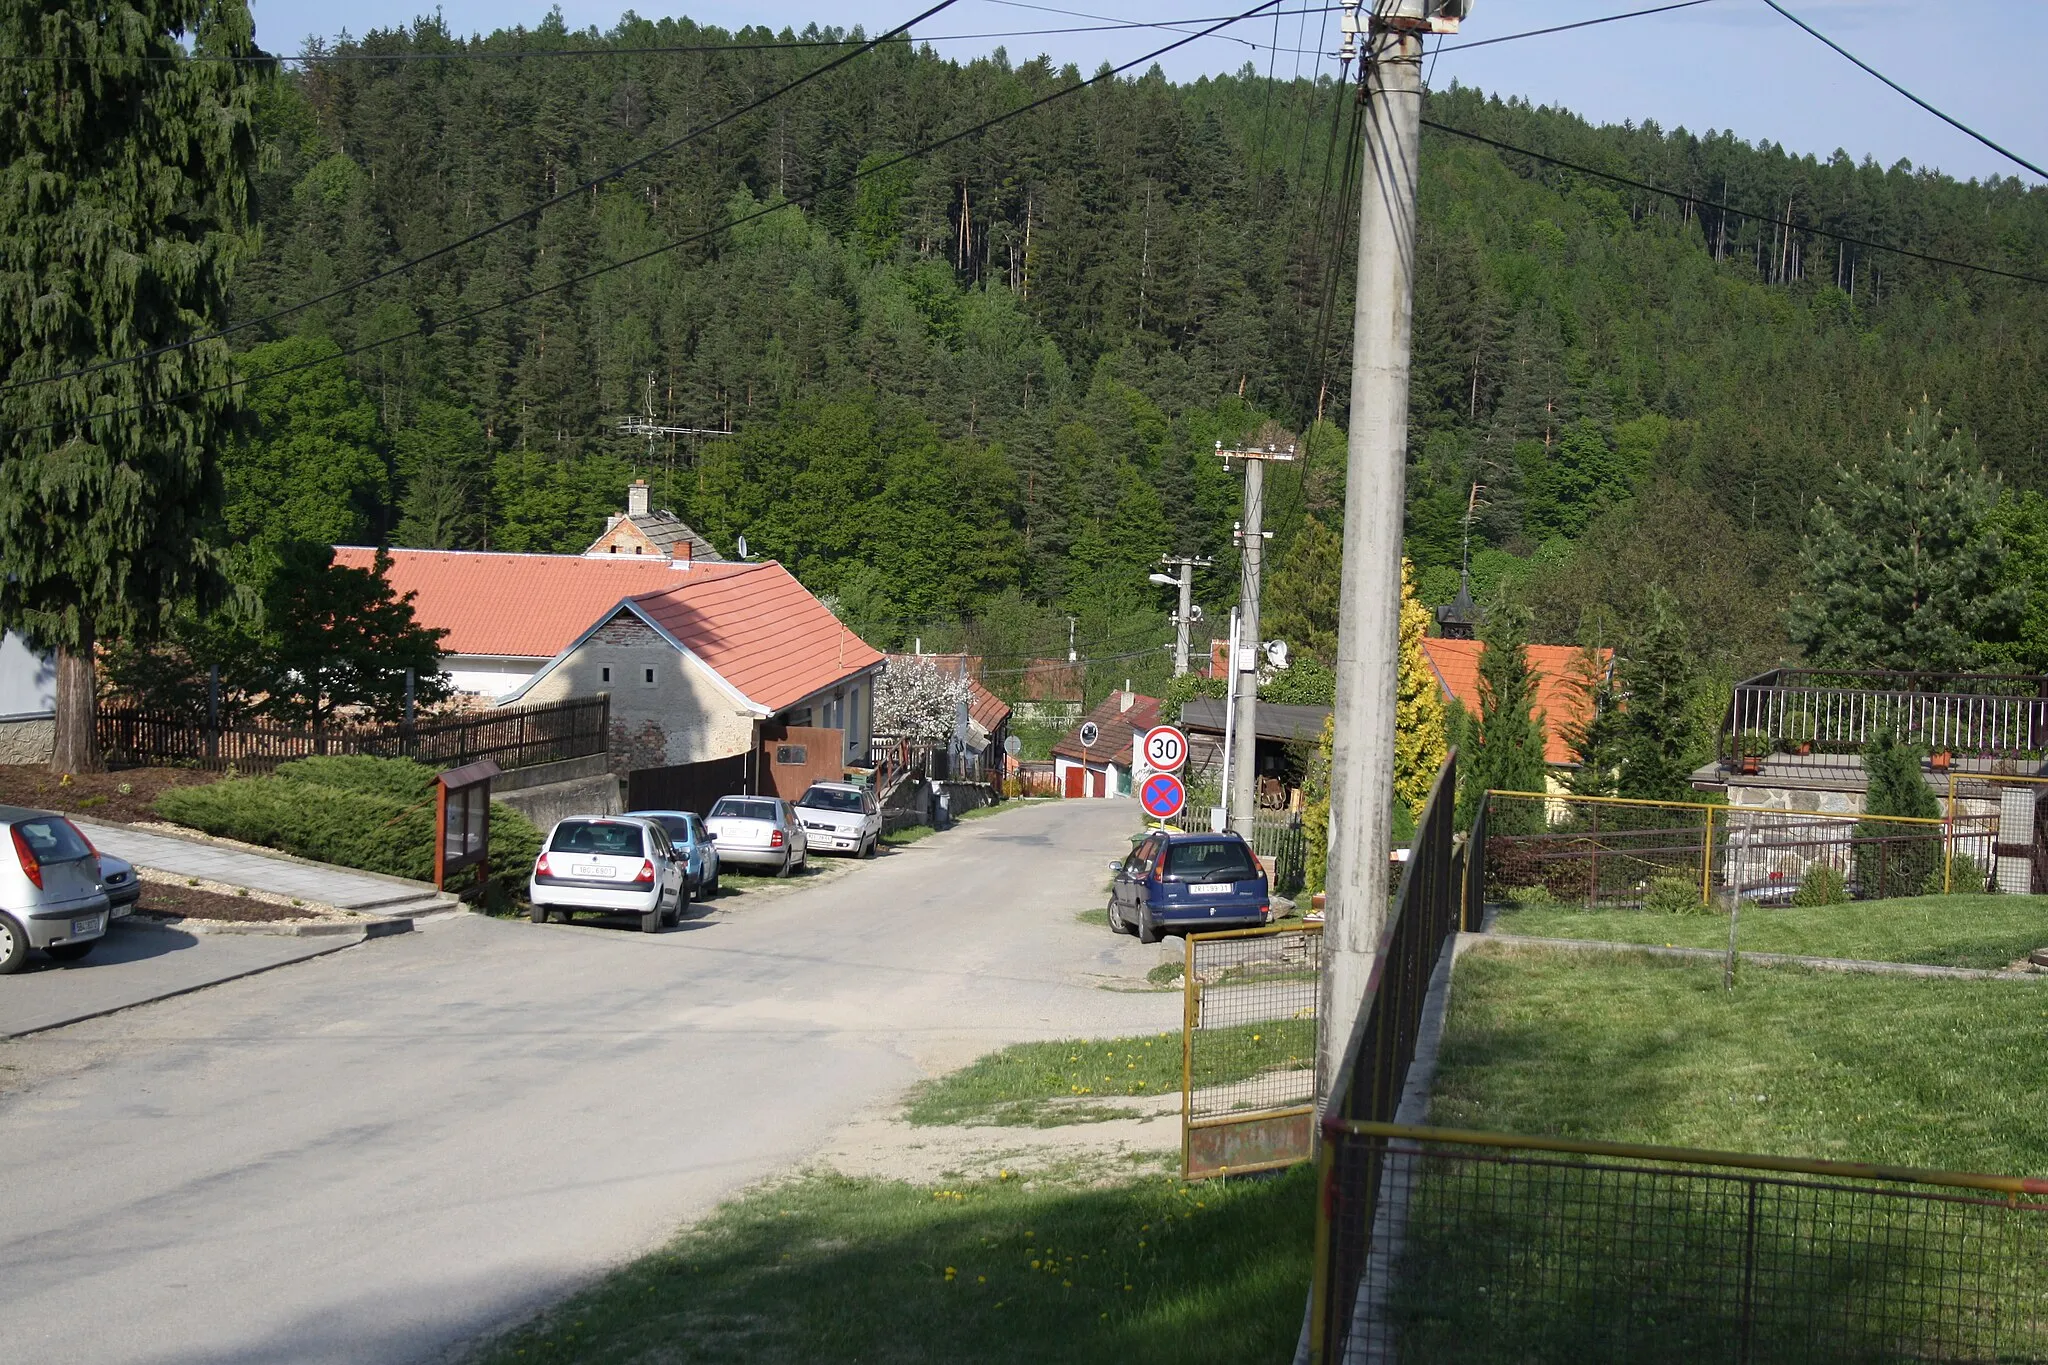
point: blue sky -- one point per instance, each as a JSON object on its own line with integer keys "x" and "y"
{"x": 1729, "y": 64}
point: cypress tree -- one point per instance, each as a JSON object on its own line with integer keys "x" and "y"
{"x": 1894, "y": 859}
{"x": 1507, "y": 737}
{"x": 1419, "y": 741}
{"x": 125, "y": 166}
{"x": 1658, "y": 733}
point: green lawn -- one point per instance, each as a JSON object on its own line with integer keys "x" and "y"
{"x": 909, "y": 834}
{"x": 1901, "y": 1070}
{"x": 1040, "y": 1084}
{"x": 1945, "y": 931}
{"x": 827, "y": 1269}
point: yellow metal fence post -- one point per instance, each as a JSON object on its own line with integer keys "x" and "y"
{"x": 1707, "y": 862}
{"x": 1189, "y": 1010}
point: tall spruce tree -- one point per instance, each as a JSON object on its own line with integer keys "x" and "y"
{"x": 125, "y": 165}
{"x": 1894, "y": 859}
{"x": 1658, "y": 734}
{"x": 1506, "y": 745}
{"x": 1900, "y": 571}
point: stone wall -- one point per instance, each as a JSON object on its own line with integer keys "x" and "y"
{"x": 553, "y": 801}
{"x": 27, "y": 741}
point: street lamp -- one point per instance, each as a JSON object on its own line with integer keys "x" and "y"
{"x": 1164, "y": 580}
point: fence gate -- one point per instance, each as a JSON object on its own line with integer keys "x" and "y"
{"x": 1248, "y": 1049}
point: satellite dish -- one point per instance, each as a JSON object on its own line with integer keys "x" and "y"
{"x": 743, "y": 547}
{"x": 1276, "y": 653}
{"x": 1013, "y": 746}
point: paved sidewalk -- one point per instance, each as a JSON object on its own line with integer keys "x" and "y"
{"x": 137, "y": 963}
{"x": 317, "y": 882}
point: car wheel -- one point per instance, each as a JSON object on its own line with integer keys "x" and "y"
{"x": 70, "y": 952}
{"x": 1116, "y": 921}
{"x": 868, "y": 850}
{"x": 671, "y": 918}
{"x": 1147, "y": 931}
{"x": 13, "y": 946}
{"x": 788, "y": 865}
{"x": 650, "y": 923}
{"x": 714, "y": 882}
{"x": 538, "y": 913}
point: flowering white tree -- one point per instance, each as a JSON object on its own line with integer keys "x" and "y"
{"x": 917, "y": 700}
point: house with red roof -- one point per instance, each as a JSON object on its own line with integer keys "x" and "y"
{"x": 1564, "y": 698}
{"x": 1102, "y": 766}
{"x": 701, "y": 659}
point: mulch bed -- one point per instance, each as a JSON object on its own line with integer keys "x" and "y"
{"x": 173, "y": 903}
{"x": 120, "y": 798}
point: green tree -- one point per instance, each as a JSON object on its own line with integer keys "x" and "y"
{"x": 1898, "y": 569}
{"x": 1659, "y": 738}
{"x": 1595, "y": 737}
{"x": 1895, "y": 859}
{"x": 1506, "y": 742}
{"x": 309, "y": 467}
{"x": 1300, "y": 598}
{"x": 127, "y": 144}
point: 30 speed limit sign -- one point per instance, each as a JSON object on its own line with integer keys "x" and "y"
{"x": 1165, "y": 749}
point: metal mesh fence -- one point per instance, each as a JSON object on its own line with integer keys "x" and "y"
{"x": 1249, "y": 1049}
{"x": 1486, "y": 1248}
{"x": 1597, "y": 851}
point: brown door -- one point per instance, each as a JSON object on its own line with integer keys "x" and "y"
{"x": 1096, "y": 783}
{"x": 1074, "y": 779}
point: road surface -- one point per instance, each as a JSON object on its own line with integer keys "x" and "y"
{"x": 378, "y": 1155}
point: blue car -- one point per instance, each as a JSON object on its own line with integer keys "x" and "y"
{"x": 699, "y": 850}
{"x": 1177, "y": 883}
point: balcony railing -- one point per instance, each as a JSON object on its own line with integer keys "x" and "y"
{"x": 1817, "y": 711}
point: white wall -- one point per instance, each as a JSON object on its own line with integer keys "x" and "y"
{"x": 490, "y": 675}
{"x": 28, "y": 680}
{"x": 683, "y": 716}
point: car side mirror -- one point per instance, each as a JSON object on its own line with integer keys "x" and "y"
{"x": 709, "y": 837}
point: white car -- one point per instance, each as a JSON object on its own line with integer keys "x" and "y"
{"x": 841, "y": 816}
{"x": 613, "y": 865}
{"x": 758, "y": 831}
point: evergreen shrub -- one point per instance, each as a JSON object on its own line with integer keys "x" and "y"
{"x": 1894, "y": 859}
{"x": 1673, "y": 896}
{"x": 1822, "y": 885}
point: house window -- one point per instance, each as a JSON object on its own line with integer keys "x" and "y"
{"x": 800, "y": 718}
{"x": 791, "y": 755}
{"x": 604, "y": 675}
{"x": 615, "y": 547}
{"x": 638, "y": 550}
{"x": 647, "y": 677}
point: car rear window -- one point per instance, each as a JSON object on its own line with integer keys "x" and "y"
{"x": 53, "y": 839}
{"x": 678, "y": 827}
{"x": 728, "y": 808}
{"x": 825, "y": 798}
{"x": 597, "y": 836}
{"x": 1212, "y": 860}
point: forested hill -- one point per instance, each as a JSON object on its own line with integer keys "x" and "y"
{"x": 985, "y": 384}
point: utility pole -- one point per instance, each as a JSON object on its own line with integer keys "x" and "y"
{"x": 1368, "y": 638}
{"x": 1241, "y": 800}
{"x": 1187, "y": 564}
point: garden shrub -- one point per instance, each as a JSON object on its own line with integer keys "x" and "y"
{"x": 1673, "y": 896}
{"x": 371, "y": 813}
{"x": 1528, "y": 896}
{"x": 1964, "y": 876}
{"x": 1822, "y": 885}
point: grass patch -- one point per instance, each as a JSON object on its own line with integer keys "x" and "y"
{"x": 1940, "y": 1073}
{"x": 1010, "y": 803}
{"x": 1166, "y": 973}
{"x": 1038, "y": 1084}
{"x": 909, "y": 834}
{"x": 1942, "y": 931}
{"x": 831, "y": 1269}
{"x": 1098, "y": 917}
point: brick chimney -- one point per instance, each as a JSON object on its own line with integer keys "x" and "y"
{"x": 636, "y": 498}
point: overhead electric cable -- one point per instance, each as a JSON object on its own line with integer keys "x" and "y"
{"x": 1870, "y": 70}
{"x": 1772, "y": 219}
{"x": 530, "y": 211}
{"x": 429, "y": 327}
{"x": 1566, "y": 28}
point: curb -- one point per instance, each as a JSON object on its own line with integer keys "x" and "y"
{"x": 1514, "y": 942}
{"x": 369, "y": 929}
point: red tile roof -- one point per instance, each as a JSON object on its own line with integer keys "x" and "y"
{"x": 1560, "y": 685}
{"x": 759, "y": 629}
{"x": 518, "y": 605}
{"x": 1120, "y": 729}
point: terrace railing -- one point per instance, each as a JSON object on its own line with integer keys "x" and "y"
{"x": 1802, "y": 710}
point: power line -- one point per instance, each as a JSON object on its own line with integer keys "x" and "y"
{"x": 1870, "y": 70}
{"x": 1446, "y": 50}
{"x": 428, "y": 328}
{"x": 1772, "y": 219}
{"x": 530, "y": 211}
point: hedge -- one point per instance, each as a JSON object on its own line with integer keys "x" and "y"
{"x": 376, "y": 814}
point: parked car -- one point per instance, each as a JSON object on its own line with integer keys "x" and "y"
{"x": 758, "y": 831}
{"x": 50, "y": 892}
{"x": 124, "y": 888}
{"x": 1188, "y": 883}
{"x": 841, "y": 816}
{"x": 611, "y": 864}
{"x": 700, "y": 851}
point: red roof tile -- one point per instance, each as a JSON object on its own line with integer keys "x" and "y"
{"x": 1560, "y": 685}
{"x": 759, "y": 629}
{"x": 1120, "y": 729}
{"x": 518, "y": 605}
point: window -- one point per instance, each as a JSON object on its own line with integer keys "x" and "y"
{"x": 1210, "y": 860}
{"x": 615, "y": 548}
{"x": 833, "y": 798}
{"x": 638, "y": 550}
{"x": 741, "y": 808}
{"x": 792, "y": 755}
{"x": 647, "y": 677}
{"x": 52, "y": 838}
{"x": 800, "y": 718}
{"x": 604, "y": 675}
{"x": 595, "y": 836}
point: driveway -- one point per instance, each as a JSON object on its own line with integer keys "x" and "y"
{"x": 378, "y": 1154}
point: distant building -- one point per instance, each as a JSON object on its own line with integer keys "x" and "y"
{"x": 1104, "y": 767}
{"x": 639, "y": 531}
{"x": 1563, "y": 699}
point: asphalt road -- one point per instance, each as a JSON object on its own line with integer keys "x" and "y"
{"x": 378, "y": 1155}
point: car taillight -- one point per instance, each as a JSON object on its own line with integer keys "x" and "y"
{"x": 1159, "y": 868}
{"x": 540, "y": 868}
{"x": 646, "y": 870}
{"x": 31, "y": 866}
{"x": 775, "y": 839}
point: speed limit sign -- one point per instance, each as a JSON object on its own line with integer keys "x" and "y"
{"x": 1166, "y": 748}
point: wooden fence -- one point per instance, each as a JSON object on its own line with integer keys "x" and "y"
{"x": 515, "y": 737}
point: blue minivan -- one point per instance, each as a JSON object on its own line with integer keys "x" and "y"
{"x": 1176, "y": 883}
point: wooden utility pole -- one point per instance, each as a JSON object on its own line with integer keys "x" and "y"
{"x": 1241, "y": 801}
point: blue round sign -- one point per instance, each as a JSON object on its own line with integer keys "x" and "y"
{"x": 1163, "y": 796}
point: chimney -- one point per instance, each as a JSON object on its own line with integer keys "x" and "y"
{"x": 636, "y": 498}
{"x": 1129, "y": 696}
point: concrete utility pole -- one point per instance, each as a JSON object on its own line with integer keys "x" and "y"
{"x": 1187, "y": 564}
{"x": 1242, "y": 799}
{"x": 1368, "y": 638}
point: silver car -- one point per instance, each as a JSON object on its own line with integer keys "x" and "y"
{"x": 123, "y": 889}
{"x": 842, "y": 817}
{"x": 50, "y": 892}
{"x": 758, "y": 831}
{"x": 612, "y": 865}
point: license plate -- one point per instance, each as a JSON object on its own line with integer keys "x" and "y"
{"x": 1212, "y": 889}
{"x": 593, "y": 870}
{"x": 85, "y": 926}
